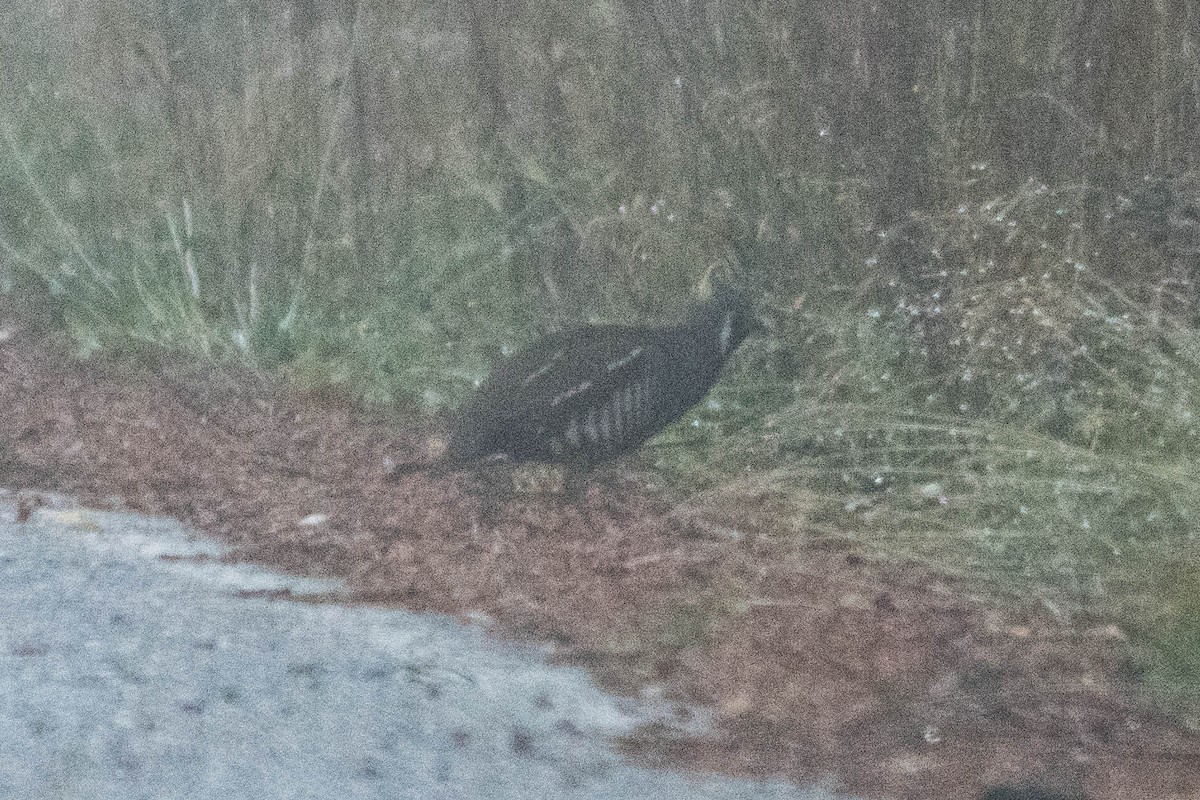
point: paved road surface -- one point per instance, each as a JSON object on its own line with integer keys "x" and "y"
{"x": 124, "y": 675}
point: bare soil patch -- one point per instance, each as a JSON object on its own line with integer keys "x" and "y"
{"x": 819, "y": 661}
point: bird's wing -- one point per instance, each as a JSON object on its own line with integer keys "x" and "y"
{"x": 564, "y": 372}
{"x": 561, "y": 392}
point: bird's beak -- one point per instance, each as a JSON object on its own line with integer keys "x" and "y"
{"x": 762, "y": 325}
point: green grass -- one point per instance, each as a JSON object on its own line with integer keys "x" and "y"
{"x": 1047, "y": 452}
{"x": 130, "y": 263}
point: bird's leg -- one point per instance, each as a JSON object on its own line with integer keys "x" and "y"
{"x": 575, "y": 482}
{"x": 611, "y": 490}
{"x": 496, "y": 489}
{"x": 576, "y": 479}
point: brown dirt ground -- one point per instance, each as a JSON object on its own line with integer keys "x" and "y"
{"x": 818, "y": 660}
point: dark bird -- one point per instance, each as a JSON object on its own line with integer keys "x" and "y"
{"x": 588, "y": 395}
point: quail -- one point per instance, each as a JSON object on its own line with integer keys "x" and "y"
{"x": 588, "y": 395}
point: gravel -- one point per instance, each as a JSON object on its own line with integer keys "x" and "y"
{"x": 135, "y": 664}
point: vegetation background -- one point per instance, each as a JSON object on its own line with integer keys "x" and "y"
{"x": 975, "y": 226}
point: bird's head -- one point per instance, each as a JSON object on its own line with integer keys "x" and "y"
{"x": 728, "y": 313}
